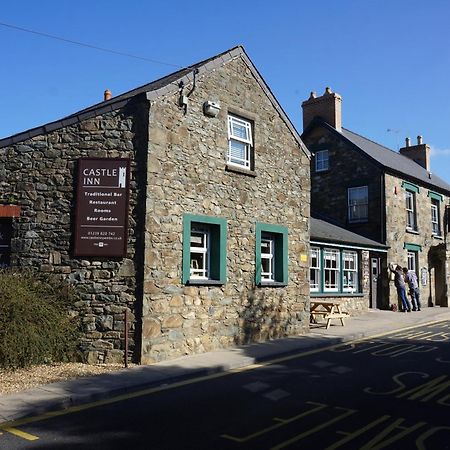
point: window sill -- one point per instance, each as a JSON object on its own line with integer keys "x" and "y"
{"x": 336, "y": 294}
{"x": 241, "y": 170}
{"x": 357, "y": 222}
{"x": 438, "y": 236}
{"x": 273, "y": 284}
{"x": 204, "y": 283}
{"x": 410, "y": 230}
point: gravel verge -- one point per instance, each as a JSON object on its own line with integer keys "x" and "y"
{"x": 23, "y": 379}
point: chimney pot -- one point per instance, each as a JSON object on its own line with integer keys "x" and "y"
{"x": 419, "y": 140}
{"x": 328, "y": 90}
{"x": 107, "y": 95}
{"x": 407, "y": 142}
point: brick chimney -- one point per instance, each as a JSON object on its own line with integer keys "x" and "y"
{"x": 107, "y": 95}
{"x": 327, "y": 107}
{"x": 419, "y": 153}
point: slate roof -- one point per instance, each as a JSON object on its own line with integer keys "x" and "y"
{"x": 323, "y": 231}
{"x": 155, "y": 89}
{"x": 394, "y": 160}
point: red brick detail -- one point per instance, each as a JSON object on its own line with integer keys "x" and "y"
{"x": 9, "y": 211}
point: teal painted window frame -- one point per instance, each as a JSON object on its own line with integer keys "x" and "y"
{"x": 340, "y": 292}
{"x": 412, "y": 247}
{"x": 410, "y": 187}
{"x": 280, "y": 234}
{"x": 435, "y": 196}
{"x": 218, "y": 248}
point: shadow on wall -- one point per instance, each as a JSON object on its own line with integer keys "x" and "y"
{"x": 263, "y": 317}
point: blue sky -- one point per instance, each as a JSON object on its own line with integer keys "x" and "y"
{"x": 389, "y": 59}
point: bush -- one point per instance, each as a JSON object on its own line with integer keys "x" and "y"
{"x": 35, "y": 325}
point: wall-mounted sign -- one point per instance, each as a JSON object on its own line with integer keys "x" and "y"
{"x": 102, "y": 207}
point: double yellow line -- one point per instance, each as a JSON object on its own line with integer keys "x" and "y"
{"x": 10, "y": 427}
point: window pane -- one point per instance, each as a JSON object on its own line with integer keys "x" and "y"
{"x": 267, "y": 258}
{"x": 322, "y": 160}
{"x": 199, "y": 259}
{"x": 358, "y": 203}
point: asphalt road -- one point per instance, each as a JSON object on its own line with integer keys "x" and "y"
{"x": 391, "y": 392}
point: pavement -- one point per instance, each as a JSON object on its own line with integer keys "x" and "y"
{"x": 81, "y": 391}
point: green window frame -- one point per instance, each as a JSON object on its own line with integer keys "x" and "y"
{"x": 410, "y": 187}
{"x": 279, "y": 234}
{"x": 216, "y": 252}
{"x": 343, "y": 273}
{"x": 412, "y": 247}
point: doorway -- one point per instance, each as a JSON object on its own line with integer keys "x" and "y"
{"x": 5, "y": 241}
{"x": 376, "y": 281}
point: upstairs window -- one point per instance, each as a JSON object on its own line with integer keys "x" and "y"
{"x": 358, "y": 204}
{"x": 411, "y": 218}
{"x": 410, "y": 205}
{"x": 436, "y": 199}
{"x": 322, "y": 161}
{"x": 435, "y": 222}
{"x": 240, "y": 142}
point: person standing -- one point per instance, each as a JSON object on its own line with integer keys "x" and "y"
{"x": 399, "y": 283}
{"x": 411, "y": 279}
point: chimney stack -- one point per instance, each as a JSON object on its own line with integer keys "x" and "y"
{"x": 107, "y": 95}
{"x": 327, "y": 107}
{"x": 419, "y": 153}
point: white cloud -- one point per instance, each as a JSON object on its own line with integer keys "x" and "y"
{"x": 440, "y": 151}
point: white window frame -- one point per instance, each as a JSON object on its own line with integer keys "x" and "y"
{"x": 314, "y": 253}
{"x": 328, "y": 269}
{"x": 322, "y": 160}
{"x": 268, "y": 256}
{"x": 358, "y": 208}
{"x": 200, "y": 273}
{"x": 246, "y": 141}
{"x": 413, "y": 257}
{"x": 410, "y": 205}
{"x": 349, "y": 272}
{"x": 435, "y": 222}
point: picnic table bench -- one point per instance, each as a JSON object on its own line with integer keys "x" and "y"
{"x": 328, "y": 310}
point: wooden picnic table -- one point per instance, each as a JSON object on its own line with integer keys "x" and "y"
{"x": 328, "y": 310}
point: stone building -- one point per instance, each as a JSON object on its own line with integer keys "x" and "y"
{"x": 390, "y": 197}
{"x": 216, "y": 214}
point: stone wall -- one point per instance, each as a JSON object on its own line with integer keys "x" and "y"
{"x": 433, "y": 254}
{"x": 39, "y": 175}
{"x": 347, "y": 168}
{"x": 187, "y": 174}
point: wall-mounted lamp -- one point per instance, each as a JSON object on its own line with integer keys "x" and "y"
{"x": 211, "y": 108}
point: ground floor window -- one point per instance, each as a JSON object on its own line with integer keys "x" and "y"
{"x": 350, "y": 271}
{"x": 204, "y": 249}
{"x": 271, "y": 255}
{"x": 334, "y": 270}
{"x": 413, "y": 256}
{"x": 315, "y": 269}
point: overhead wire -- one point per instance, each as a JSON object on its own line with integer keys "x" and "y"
{"x": 91, "y": 46}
